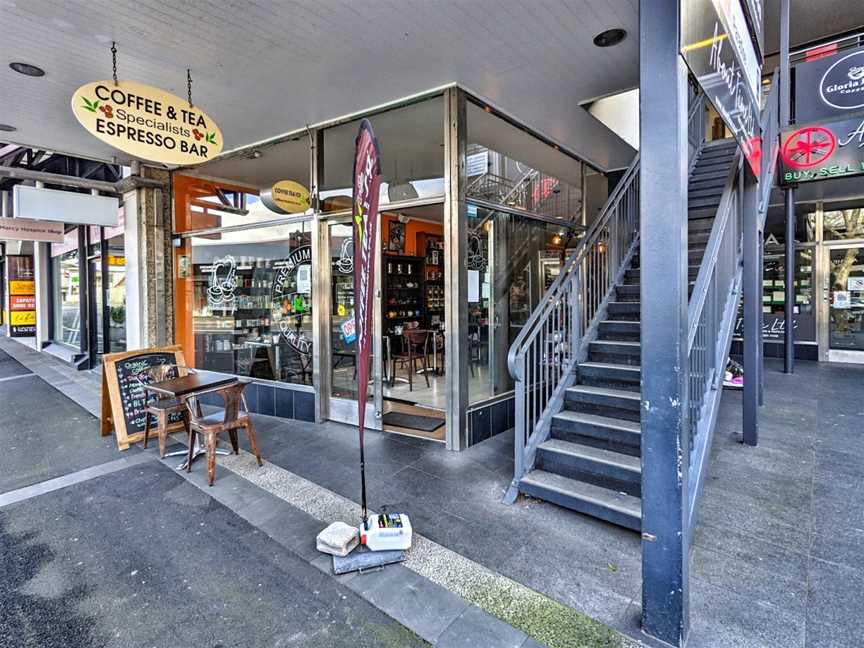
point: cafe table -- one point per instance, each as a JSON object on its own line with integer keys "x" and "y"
{"x": 189, "y": 386}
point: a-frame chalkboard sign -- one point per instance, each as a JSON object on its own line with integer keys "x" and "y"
{"x": 124, "y": 400}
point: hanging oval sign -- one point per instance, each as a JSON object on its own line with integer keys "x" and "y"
{"x": 147, "y": 122}
{"x": 286, "y": 197}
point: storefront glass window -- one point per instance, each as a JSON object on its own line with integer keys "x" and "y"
{"x": 251, "y": 302}
{"x": 411, "y": 139}
{"x": 805, "y": 225}
{"x": 116, "y": 294}
{"x": 843, "y": 224}
{"x": 512, "y": 261}
{"x": 67, "y": 297}
{"x": 507, "y": 166}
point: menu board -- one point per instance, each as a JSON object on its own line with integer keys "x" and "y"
{"x": 124, "y": 400}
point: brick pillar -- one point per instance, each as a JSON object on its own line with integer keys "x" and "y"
{"x": 149, "y": 270}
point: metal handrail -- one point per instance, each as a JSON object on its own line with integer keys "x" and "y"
{"x": 589, "y": 239}
{"x": 544, "y": 355}
{"x": 713, "y": 306}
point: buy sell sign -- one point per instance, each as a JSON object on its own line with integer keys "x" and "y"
{"x": 822, "y": 151}
{"x": 146, "y": 122}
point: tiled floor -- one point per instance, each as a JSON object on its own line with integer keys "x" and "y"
{"x": 777, "y": 554}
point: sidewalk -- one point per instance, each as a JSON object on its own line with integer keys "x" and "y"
{"x": 109, "y": 524}
{"x": 776, "y": 553}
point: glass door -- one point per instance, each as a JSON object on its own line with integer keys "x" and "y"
{"x": 96, "y": 300}
{"x": 845, "y": 303}
{"x": 341, "y": 356}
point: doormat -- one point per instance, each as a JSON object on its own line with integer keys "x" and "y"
{"x": 413, "y": 421}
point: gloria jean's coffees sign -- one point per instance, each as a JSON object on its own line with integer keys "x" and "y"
{"x": 147, "y": 122}
{"x": 832, "y": 86}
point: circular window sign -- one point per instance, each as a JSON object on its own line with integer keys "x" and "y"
{"x": 842, "y": 85}
{"x": 809, "y": 147}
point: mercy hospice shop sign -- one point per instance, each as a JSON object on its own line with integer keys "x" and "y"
{"x": 147, "y": 122}
{"x": 822, "y": 151}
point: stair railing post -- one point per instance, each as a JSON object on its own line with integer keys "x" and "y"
{"x": 664, "y": 151}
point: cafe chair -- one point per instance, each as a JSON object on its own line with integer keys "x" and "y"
{"x": 231, "y": 418}
{"x": 162, "y": 409}
{"x": 413, "y": 350}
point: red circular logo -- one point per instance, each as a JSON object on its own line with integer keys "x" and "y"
{"x": 808, "y": 147}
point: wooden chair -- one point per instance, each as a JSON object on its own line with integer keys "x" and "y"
{"x": 229, "y": 419}
{"x": 162, "y": 408}
{"x": 413, "y": 349}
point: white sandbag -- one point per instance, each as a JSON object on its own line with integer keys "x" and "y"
{"x": 338, "y": 539}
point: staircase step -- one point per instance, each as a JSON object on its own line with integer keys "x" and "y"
{"x": 705, "y": 192}
{"x": 610, "y": 371}
{"x": 627, "y": 292}
{"x": 703, "y": 203}
{"x": 619, "y": 330}
{"x": 617, "y": 508}
{"x": 614, "y": 348}
{"x": 596, "y": 466}
{"x": 624, "y": 310}
{"x": 706, "y": 182}
{"x": 603, "y": 401}
{"x": 614, "y": 434}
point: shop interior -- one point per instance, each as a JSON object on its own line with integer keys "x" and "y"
{"x": 245, "y": 284}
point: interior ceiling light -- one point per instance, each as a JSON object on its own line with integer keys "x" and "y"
{"x": 610, "y": 37}
{"x": 6, "y": 128}
{"x": 27, "y": 69}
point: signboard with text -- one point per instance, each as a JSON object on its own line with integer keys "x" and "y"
{"x": 830, "y": 86}
{"x": 27, "y": 229}
{"x": 147, "y": 122}
{"x": 287, "y": 197}
{"x": 22, "y": 295}
{"x": 824, "y": 151}
{"x": 718, "y": 49}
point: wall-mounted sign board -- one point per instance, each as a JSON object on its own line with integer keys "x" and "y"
{"x": 43, "y": 204}
{"x": 822, "y": 151}
{"x": 124, "y": 400}
{"x": 146, "y": 122}
{"x": 27, "y": 229}
{"x": 718, "y": 49}
{"x": 287, "y": 197}
{"x": 22, "y": 295}
{"x": 831, "y": 86}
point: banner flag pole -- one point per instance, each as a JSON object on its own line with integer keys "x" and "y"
{"x": 367, "y": 182}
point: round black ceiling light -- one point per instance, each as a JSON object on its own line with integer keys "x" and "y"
{"x": 27, "y": 69}
{"x": 610, "y": 37}
{"x": 6, "y": 128}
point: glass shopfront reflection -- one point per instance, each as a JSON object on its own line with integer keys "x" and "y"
{"x": 511, "y": 260}
{"x": 252, "y": 302}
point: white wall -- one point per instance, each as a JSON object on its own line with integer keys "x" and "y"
{"x": 620, "y": 114}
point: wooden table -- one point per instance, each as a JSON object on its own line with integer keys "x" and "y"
{"x": 189, "y": 386}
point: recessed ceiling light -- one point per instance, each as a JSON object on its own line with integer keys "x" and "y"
{"x": 27, "y": 69}
{"x": 6, "y": 128}
{"x": 610, "y": 37}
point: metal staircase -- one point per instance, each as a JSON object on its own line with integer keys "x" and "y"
{"x": 591, "y": 461}
{"x": 576, "y": 362}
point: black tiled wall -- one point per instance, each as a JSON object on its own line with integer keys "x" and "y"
{"x": 486, "y": 422}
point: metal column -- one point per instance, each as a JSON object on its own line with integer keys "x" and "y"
{"x": 789, "y": 243}
{"x": 752, "y": 288}
{"x": 663, "y": 260}
{"x": 83, "y": 294}
{"x": 321, "y": 289}
{"x": 455, "y": 273}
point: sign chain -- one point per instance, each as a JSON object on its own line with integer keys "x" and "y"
{"x": 189, "y": 86}
{"x": 114, "y": 60}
